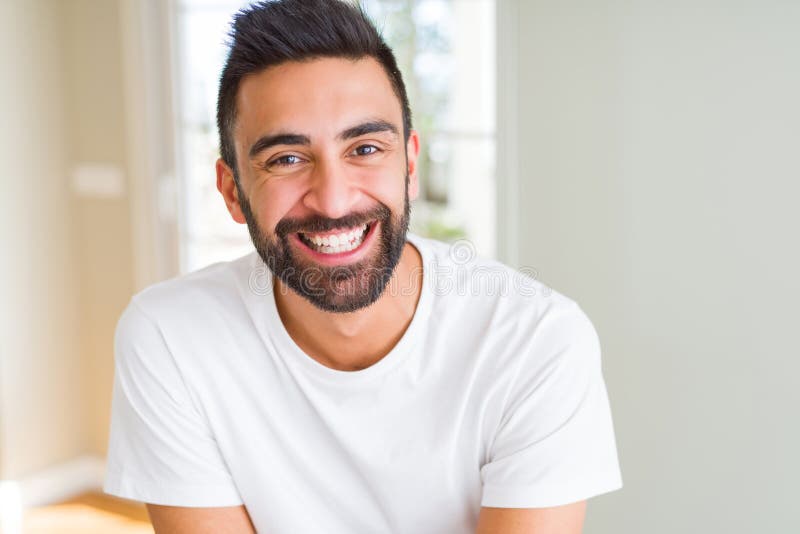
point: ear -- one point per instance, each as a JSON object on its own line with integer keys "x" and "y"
{"x": 226, "y": 185}
{"x": 412, "y": 155}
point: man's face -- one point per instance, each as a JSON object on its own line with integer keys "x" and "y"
{"x": 325, "y": 177}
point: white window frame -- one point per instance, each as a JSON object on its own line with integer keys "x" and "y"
{"x": 507, "y": 153}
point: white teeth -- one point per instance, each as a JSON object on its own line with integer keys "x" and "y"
{"x": 337, "y": 243}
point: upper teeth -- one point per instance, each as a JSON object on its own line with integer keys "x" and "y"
{"x": 336, "y": 240}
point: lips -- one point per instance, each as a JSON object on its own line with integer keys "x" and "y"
{"x": 337, "y": 247}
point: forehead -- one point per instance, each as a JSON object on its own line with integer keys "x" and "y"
{"x": 317, "y": 98}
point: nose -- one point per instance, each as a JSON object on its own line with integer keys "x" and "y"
{"x": 332, "y": 192}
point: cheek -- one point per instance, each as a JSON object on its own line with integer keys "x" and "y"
{"x": 395, "y": 194}
{"x": 387, "y": 187}
{"x": 271, "y": 204}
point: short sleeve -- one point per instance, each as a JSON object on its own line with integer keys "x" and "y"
{"x": 555, "y": 443}
{"x": 161, "y": 450}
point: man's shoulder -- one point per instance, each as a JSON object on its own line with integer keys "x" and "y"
{"x": 478, "y": 296}
{"x": 459, "y": 276}
{"x": 216, "y": 286}
{"x": 506, "y": 317}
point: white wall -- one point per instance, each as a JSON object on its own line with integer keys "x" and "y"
{"x": 42, "y": 401}
{"x": 659, "y": 158}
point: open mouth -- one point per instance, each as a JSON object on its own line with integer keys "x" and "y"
{"x": 336, "y": 242}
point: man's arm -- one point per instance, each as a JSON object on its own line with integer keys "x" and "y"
{"x": 184, "y": 520}
{"x": 567, "y": 519}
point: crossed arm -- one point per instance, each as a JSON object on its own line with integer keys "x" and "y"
{"x": 566, "y": 519}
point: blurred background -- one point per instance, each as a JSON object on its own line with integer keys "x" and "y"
{"x": 641, "y": 157}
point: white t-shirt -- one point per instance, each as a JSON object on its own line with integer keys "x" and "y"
{"x": 494, "y": 396}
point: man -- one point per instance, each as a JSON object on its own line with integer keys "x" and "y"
{"x": 344, "y": 379}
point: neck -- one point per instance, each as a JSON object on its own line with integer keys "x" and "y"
{"x": 355, "y": 340}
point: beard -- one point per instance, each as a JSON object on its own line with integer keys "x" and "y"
{"x": 341, "y": 288}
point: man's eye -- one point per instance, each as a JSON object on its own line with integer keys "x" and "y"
{"x": 284, "y": 161}
{"x": 365, "y": 150}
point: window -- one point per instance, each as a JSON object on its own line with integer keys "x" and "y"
{"x": 446, "y": 51}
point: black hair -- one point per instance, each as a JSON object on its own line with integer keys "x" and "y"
{"x": 269, "y": 33}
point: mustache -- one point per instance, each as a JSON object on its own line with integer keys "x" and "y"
{"x": 317, "y": 223}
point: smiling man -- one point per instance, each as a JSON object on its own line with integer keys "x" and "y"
{"x": 343, "y": 378}
{"x": 350, "y": 232}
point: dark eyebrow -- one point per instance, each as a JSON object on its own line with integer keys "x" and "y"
{"x": 278, "y": 139}
{"x": 358, "y": 130}
{"x": 368, "y": 127}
